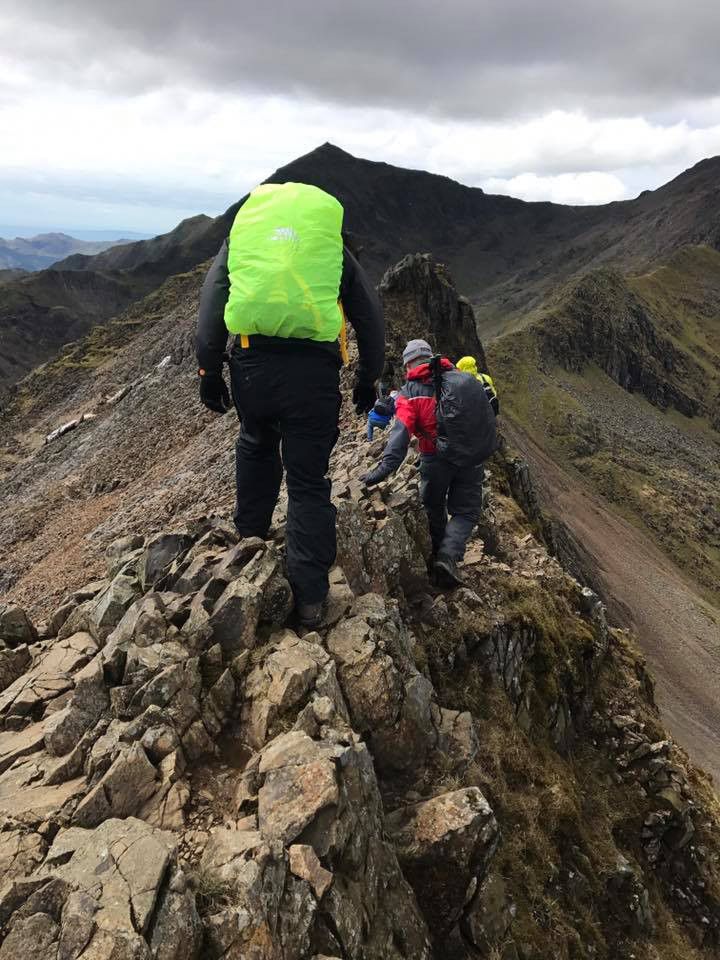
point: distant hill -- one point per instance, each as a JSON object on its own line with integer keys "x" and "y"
{"x": 505, "y": 254}
{"x": 6, "y": 275}
{"x": 617, "y": 379}
{"x": 43, "y": 250}
{"x": 41, "y": 311}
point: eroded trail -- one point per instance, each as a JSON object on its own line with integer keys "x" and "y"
{"x": 679, "y": 632}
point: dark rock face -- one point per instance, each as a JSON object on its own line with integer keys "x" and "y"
{"x": 420, "y": 300}
{"x": 608, "y": 325}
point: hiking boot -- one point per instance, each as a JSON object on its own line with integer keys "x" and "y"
{"x": 310, "y": 615}
{"x": 446, "y": 572}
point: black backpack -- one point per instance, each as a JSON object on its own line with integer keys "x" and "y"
{"x": 465, "y": 420}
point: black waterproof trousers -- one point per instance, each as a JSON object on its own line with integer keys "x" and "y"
{"x": 288, "y": 402}
{"x": 447, "y": 489}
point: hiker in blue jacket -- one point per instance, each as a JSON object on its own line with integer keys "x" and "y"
{"x": 381, "y": 414}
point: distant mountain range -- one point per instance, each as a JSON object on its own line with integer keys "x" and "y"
{"x": 39, "y": 312}
{"x": 41, "y": 251}
{"x": 507, "y": 255}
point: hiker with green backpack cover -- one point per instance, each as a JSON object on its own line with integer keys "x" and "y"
{"x": 451, "y": 415}
{"x": 283, "y": 283}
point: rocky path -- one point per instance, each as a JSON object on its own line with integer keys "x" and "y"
{"x": 679, "y": 632}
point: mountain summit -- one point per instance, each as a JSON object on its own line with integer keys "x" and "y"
{"x": 506, "y": 254}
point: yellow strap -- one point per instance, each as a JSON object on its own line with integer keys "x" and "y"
{"x": 244, "y": 341}
{"x": 343, "y": 337}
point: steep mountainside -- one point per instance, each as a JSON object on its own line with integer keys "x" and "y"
{"x": 612, "y": 392}
{"x": 41, "y": 312}
{"x": 619, "y": 379}
{"x": 36, "y": 253}
{"x": 471, "y": 776}
{"x": 505, "y": 254}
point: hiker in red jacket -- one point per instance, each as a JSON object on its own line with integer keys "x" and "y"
{"x": 453, "y": 446}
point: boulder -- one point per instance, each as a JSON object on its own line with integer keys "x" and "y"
{"x": 122, "y": 791}
{"x": 265, "y": 572}
{"x": 159, "y": 555}
{"x": 15, "y": 626}
{"x": 294, "y": 672}
{"x": 235, "y": 617}
{"x": 13, "y": 664}
{"x": 108, "y": 609}
{"x": 89, "y": 701}
{"x": 390, "y": 702}
{"x": 46, "y": 681}
{"x": 371, "y": 684}
{"x": 118, "y": 552}
{"x": 445, "y": 846}
{"x": 195, "y": 573}
{"x": 71, "y": 602}
{"x": 315, "y": 874}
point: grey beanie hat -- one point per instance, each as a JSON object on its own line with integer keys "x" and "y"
{"x": 415, "y": 350}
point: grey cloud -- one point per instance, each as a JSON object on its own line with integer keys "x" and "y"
{"x": 460, "y": 58}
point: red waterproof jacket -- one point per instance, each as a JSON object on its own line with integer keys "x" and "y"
{"x": 414, "y": 416}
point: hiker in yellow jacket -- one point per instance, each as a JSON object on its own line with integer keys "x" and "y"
{"x": 469, "y": 365}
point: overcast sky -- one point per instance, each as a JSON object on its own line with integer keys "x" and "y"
{"x": 136, "y": 113}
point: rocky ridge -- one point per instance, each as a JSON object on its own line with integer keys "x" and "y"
{"x": 507, "y": 254}
{"x": 576, "y": 381}
{"x": 478, "y": 774}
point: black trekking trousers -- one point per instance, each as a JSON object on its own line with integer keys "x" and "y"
{"x": 289, "y": 402}
{"x": 447, "y": 489}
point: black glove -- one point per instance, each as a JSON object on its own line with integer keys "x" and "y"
{"x": 364, "y": 395}
{"x": 214, "y": 392}
{"x": 374, "y": 477}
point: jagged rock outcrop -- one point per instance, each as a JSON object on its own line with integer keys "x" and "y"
{"x": 419, "y": 295}
{"x": 312, "y": 871}
{"x": 608, "y": 325}
{"x": 115, "y": 891}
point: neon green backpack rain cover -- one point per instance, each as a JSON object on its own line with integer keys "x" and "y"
{"x": 285, "y": 258}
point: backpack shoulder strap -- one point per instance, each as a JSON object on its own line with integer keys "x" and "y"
{"x": 435, "y": 364}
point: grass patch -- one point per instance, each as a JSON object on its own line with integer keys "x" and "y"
{"x": 212, "y": 893}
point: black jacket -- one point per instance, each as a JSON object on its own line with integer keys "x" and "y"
{"x": 360, "y": 302}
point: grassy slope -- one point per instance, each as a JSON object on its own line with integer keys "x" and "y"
{"x": 556, "y": 810}
{"x": 659, "y": 468}
{"x": 684, "y": 298}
